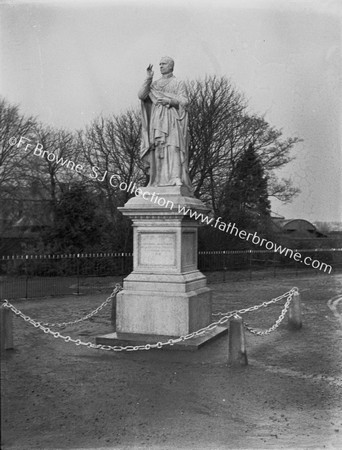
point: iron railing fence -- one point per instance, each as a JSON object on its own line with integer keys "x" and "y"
{"x": 256, "y": 260}
{"x": 29, "y": 276}
{"x": 26, "y": 276}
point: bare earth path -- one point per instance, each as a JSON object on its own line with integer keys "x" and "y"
{"x": 56, "y": 395}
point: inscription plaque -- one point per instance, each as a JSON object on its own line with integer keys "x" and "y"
{"x": 157, "y": 249}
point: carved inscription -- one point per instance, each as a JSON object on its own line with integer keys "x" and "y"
{"x": 157, "y": 249}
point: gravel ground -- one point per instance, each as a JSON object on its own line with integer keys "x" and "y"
{"x": 57, "y": 395}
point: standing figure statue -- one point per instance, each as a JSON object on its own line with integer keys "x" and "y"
{"x": 165, "y": 135}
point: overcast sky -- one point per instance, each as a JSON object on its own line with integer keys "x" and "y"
{"x": 67, "y": 62}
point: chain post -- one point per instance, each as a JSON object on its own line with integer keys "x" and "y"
{"x": 113, "y": 310}
{"x": 295, "y": 313}
{"x": 237, "y": 353}
{"x": 6, "y": 319}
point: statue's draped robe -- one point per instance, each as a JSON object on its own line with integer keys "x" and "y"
{"x": 165, "y": 131}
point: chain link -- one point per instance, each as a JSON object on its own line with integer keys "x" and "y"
{"x": 158, "y": 345}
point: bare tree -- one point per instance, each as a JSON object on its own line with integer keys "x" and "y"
{"x": 13, "y": 126}
{"x": 221, "y": 129}
{"x": 214, "y": 104}
{"x": 52, "y": 173}
{"x": 110, "y": 148}
{"x": 37, "y": 179}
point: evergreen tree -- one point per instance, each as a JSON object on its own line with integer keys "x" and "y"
{"x": 246, "y": 197}
{"x": 78, "y": 225}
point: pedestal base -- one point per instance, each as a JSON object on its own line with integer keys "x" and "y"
{"x": 162, "y": 312}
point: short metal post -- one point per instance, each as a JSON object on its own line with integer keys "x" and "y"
{"x": 6, "y": 319}
{"x": 295, "y": 313}
{"x": 237, "y": 354}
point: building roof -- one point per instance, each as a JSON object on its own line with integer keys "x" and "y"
{"x": 295, "y": 226}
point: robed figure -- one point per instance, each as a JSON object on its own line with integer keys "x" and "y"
{"x": 165, "y": 136}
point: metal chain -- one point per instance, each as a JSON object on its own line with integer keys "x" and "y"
{"x": 116, "y": 348}
{"x": 117, "y": 289}
{"x": 277, "y": 323}
{"x": 130, "y": 348}
{"x": 294, "y": 290}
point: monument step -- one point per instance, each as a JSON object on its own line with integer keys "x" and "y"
{"x": 124, "y": 339}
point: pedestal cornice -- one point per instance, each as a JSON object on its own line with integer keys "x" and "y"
{"x": 162, "y": 203}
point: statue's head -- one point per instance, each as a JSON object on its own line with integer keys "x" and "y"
{"x": 166, "y": 65}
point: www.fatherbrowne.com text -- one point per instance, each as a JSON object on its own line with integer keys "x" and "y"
{"x": 229, "y": 228}
{"x": 256, "y": 239}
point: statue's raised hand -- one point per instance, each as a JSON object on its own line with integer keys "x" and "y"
{"x": 149, "y": 71}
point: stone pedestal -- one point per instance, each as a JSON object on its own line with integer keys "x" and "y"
{"x": 165, "y": 295}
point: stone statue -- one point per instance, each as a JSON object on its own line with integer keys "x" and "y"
{"x": 165, "y": 135}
